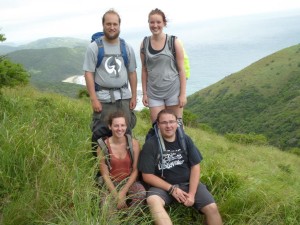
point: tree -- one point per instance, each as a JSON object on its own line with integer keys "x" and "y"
{"x": 2, "y": 37}
{"x": 11, "y": 74}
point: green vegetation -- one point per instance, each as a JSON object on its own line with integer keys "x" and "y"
{"x": 11, "y": 74}
{"x": 263, "y": 98}
{"x": 49, "y": 67}
{"x": 47, "y": 170}
{"x": 2, "y": 37}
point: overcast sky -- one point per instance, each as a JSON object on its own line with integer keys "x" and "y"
{"x": 28, "y": 20}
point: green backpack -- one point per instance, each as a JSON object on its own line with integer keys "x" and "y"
{"x": 186, "y": 61}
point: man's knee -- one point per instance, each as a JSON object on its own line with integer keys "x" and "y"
{"x": 210, "y": 209}
{"x": 155, "y": 200}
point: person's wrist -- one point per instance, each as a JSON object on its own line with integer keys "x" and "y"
{"x": 172, "y": 189}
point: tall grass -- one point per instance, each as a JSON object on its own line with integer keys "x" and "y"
{"x": 47, "y": 171}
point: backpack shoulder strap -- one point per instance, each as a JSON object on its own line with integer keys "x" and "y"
{"x": 143, "y": 49}
{"x": 104, "y": 148}
{"x": 181, "y": 137}
{"x": 161, "y": 145}
{"x": 124, "y": 52}
{"x": 144, "y": 44}
{"x": 172, "y": 45}
{"x": 100, "y": 51}
{"x": 130, "y": 146}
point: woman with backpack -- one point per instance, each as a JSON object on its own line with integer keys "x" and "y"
{"x": 163, "y": 74}
{"x": 118, "y": 157}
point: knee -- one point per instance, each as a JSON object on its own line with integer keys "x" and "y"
{"x": 155, "y": 200}
{"x": 211, "y": 209}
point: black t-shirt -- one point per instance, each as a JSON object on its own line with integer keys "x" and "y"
{"x": 175, "y": 164}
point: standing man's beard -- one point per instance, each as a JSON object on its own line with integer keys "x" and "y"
{"x": 110, "y": 37}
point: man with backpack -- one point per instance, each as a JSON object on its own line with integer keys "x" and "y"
{"x": 171, "y": 168}
{"x": 110, "y": 74}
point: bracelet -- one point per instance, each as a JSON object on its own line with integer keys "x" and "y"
{"x": 172, "y": 188}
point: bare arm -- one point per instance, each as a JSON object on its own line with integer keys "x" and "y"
{"x": 194, "y": 182}
{"x": 156, "y": 181}
{"x": 105, "y": 172}
{"x": 132, "y": 77}
{"x": 181, "y": 71}
{"x": 90, "y": 84}
{"x": 134, "y": 173}
{"x": 144, "y": 77}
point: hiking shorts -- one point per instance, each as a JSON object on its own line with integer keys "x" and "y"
{"x": 174, "y": 100}
{"x": 99, "y": 124}
{"x": 202, "y": 198}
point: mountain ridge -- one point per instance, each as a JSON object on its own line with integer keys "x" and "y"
{"x": 44, "y": 43}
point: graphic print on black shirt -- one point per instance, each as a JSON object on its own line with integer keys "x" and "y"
{"x": 174, "y": 164}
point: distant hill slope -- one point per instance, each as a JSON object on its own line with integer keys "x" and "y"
{"x": 48, "y": 67}
{"x": 262, "y": 98}
{"x": 53, "y": 42}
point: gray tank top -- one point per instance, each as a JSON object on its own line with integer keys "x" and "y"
{"x": 163, "y": 78}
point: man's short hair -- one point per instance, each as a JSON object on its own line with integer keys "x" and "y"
{"x": 111, "y": 11}
{"x": 166, "y": 111}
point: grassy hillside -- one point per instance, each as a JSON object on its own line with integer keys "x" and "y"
{"x": 47, "y": 171}
{"x": 263, "y": 98}
{"x": 48, "y": 67}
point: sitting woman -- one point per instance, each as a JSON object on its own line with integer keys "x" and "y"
{"x": 118, "y": 157}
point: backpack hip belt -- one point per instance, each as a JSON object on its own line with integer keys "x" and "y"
{"x": 111, "y": 90}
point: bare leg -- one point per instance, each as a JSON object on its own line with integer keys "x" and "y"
{"x": 154, "y": 111}
{"x": 178, "y": 111}
{"x": 157, "y": 209}
{"x": 212, "y": 214}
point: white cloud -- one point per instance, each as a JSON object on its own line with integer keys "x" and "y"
{"x": 27, "y": 20}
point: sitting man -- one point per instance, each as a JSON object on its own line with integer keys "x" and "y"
{"x": 171, "y": 168}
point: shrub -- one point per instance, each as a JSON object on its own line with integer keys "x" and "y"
{"x": 251, "y": 138}
{"x": 83, "y": 93}
{"x": 295, "y": 151}
{"x": 189, "y": 118}
{"x": 12, "y": 74}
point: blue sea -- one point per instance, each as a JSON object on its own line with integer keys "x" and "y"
{"x": 220, "y": 47}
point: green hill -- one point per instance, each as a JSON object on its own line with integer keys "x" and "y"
{"x": 53, "y": 42}
{"x": 48, "y": 67}
{"x": 263, "y": 98}
{"x": 56, "y": 42}
{"x": 47, "y": 170}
